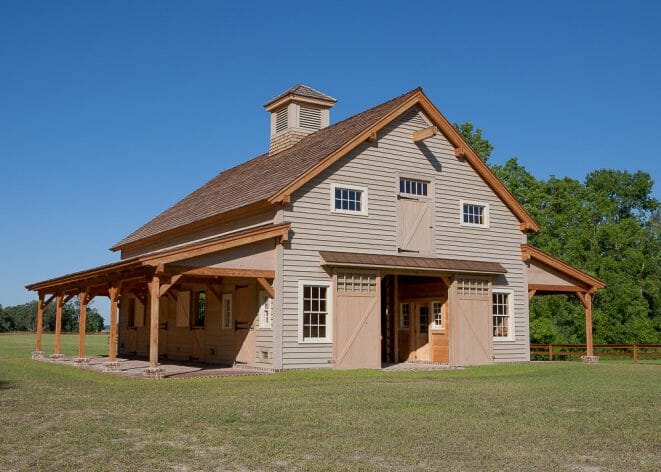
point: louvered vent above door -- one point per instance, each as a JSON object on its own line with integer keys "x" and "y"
{"x": 310, "y": 118}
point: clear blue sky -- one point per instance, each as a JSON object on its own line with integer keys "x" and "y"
{"x": 112, "y": 111}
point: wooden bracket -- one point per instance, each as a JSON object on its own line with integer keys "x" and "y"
{"x": 167, "y": 286}
{"x": 531, "y": 293}
{"x": 66, "y": 299}
{"x": 460, "y": 152}
{"x": 50, "y": 299}
{"x": 372, "y": 137}
{"x": 425, "y": 133}
{"x": 266, "y": 286}
{"x": 216, "y": 293}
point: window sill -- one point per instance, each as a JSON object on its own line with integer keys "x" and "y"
{"x": 349, "y": 212}
{"x": 503, "y": 340}
{"x": 196, "y": 327}
{"x": 473, "y": 225}
{"x": 315, "y": 341}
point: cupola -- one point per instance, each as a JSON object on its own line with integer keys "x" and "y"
{"x": 296, "y": 113}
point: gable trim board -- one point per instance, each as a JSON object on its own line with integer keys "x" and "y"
{"x": 323, "y": 143}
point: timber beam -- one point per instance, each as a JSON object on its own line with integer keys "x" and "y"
{"x": 423, "y": 134}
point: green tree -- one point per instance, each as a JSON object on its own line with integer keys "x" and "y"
{"x": 473, "y": 136}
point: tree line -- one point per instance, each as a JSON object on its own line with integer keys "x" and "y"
{"x": 24, "y": 317}
{"x": 609, "y": 225}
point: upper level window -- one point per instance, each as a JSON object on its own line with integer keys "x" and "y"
{"x": 348, "y": 199}
{"x": 474, "y": 214}
{"x": 502, "y": 315}
{"x": 315, "y": 314}
{"x": 413, "y": 187}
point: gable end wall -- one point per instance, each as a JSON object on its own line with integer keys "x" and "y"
{"x": 378, "y": 166}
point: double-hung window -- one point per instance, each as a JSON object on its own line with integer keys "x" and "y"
{"x": 502, "y": 314}
{"x": 437, "y": 315}
{"x": 226, "y": 311}
{"x": 315, "y": 312}
{"x": 350, "y": 199}
{"x": 265, "y": 310}
{"x": 474, "y": 214}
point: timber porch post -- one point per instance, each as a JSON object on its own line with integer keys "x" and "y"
{"x": 58, "y": 326}
{"x": 82, "y": 326}
{"x": 112, "y": 364}
{"x": 38, "y": 353}
{"x": 586, "y": 301}
{"x": 154, "y": 371}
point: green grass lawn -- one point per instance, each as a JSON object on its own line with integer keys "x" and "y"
{"x": 564, "y": 416}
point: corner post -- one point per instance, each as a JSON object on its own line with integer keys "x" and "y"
{"x": 59, "y": 298}
{"x": 154, "y": 371}
{"x": 38, "y": 353}
{"x": 82, "y": 326}
{"x": 112, "y": 364}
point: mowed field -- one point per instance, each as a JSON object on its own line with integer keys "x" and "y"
{"x": 561, "y": 416}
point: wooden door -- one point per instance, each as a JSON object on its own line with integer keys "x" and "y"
{"x": 420, "y": 332}
{"x": 414, "y": 225}
{"x": 245, "y": 313}
{"x": 357, "y": 343}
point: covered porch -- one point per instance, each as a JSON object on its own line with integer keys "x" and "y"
{"x": 150, "y": 277}
{"x": 550, "y": 276}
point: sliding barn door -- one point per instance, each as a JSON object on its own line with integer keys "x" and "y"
{"x": 357, "y": 314}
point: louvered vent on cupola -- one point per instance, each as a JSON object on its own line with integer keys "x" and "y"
{"x": 297, "y": 112}
{"x": 310, "y": 118}
{"x": 281, "y": 119}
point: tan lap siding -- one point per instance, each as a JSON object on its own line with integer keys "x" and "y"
{"x": 378, "y": 167}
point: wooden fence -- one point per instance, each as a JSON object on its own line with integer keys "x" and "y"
{"x": 563, "y": 351}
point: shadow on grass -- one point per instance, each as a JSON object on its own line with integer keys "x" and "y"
{"x": 4, "y": 384}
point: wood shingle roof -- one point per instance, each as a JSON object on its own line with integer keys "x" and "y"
{"x": 260, "y": 178}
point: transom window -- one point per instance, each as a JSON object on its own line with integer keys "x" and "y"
{"x": 437, "y": 315}
{"x": 404, "y": 315}
{"x": 265, "y": 309}
{"x": 474, "y": 214}
{"x": 473, "y": 287}
{"x": 348, "y": 199}
{"x": 413, "y": 187}
{"x": 502, "y": 315}
{"x": 356, "y": 283}
{"x": 315, "y": 312}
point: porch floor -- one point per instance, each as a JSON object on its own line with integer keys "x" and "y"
{"x": 133, "y": 368}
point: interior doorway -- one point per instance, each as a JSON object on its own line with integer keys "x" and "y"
{"x": 415, "y": 319}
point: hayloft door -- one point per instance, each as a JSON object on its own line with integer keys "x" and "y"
{"x": 414, "y": 218}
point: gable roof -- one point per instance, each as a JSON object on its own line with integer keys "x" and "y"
{"x": 529, "y": 252}
{"x": 266, "y": 180}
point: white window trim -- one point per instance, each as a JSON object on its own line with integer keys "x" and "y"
{"x": 264, "y": 296}
{"x": 473, "y": 202}
{"x": 401, "y": 316}
{"x": 329, "y": 306}
{"x": 226, "y": 296}
{"x": 363, "y": 201}
{"x": 510, "y": 329}
{"x": 435, "y": 326}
